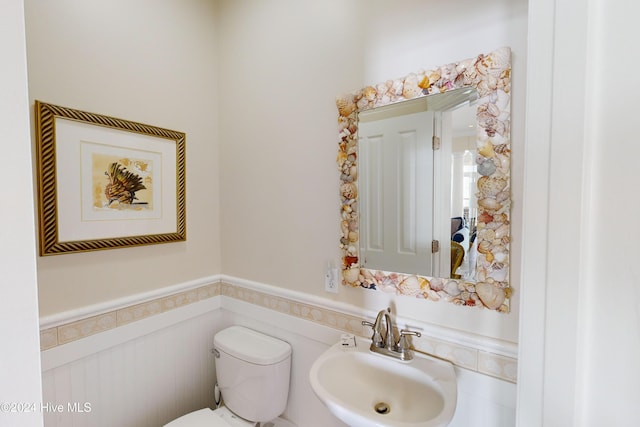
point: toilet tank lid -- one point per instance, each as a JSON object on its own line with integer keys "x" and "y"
{"x": 251, "y": 346}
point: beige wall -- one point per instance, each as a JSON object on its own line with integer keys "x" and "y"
{"x": 272, "y": 69}
{"x": 146, "y": 61}
{"x": 283, "y": 63}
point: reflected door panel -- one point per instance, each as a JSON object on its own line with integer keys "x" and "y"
{"x": 396, "y": 193}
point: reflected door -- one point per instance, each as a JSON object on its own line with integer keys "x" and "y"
{"x": 396, "y": 193}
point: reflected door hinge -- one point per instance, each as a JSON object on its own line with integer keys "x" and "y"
{"x": 436, "y": 143}
{"x": 435, "y": 246}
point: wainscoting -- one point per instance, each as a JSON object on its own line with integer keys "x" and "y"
{"x": 150, "y": 361}
{"x": 144, "y": 382}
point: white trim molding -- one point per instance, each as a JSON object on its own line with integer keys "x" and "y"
{"x": 71, "y": 335}
{"x": 558, "y": 88}
{"x": 65, "y": 317}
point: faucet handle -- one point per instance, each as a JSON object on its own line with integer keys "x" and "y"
{"x": 376, "y": 338}
{"x": 403, "y": 344}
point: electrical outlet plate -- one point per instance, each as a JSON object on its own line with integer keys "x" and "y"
{"x": 331, "y": 280}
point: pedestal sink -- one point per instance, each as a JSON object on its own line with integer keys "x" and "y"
{"x": 365, "y": 389}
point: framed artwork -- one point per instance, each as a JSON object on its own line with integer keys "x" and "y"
{"x": 106, "y": 183}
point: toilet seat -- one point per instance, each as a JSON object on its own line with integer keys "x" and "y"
{"x": 221, "y": 417}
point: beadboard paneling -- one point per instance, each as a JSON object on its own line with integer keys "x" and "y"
{"x": 149, "y": 371}
{"x": 144, "y": 382}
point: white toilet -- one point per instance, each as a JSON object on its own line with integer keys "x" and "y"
{"x": 253, "y": 372}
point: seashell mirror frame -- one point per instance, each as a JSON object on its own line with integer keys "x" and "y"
{"x": 490, "y": 75}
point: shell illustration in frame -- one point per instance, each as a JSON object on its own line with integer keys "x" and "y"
{"x": 490, "y": 75}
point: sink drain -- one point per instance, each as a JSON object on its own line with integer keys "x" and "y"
{"x": 382, "y": 408}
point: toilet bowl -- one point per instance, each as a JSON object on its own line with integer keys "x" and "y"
{"x": 206, "y": 417}
{"x": 253, "y": 371}
{"x": 221, "y": 417}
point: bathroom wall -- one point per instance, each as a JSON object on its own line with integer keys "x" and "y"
{"x": 282, "y": 65}
{"x": 253, "y": 85}
{"x": 142, "y": 378}
{"x": 580, "y": 315}
{"x": 558, "y": 299}
{"x": 273, "y": 71}
{"x": 145, "y": 61}
{"x": 135, "y": 372}
{"x": 20, "y": 355}
{"x": 611, "y": 320}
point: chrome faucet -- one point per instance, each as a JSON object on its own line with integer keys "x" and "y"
{"x": 387, "y": 344}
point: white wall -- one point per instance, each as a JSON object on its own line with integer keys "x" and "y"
{"x": 151, "y": 372}
{"x": 145, "y": 61}
{"x": 580, "y": 343}
{"x": 158, "y": 368}
{"x": 283, "y": 63}
{"x": 611, "y": 311}
{"x": 19, "y": 358}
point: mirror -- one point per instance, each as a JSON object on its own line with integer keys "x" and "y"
{"x": 395, "y": 187}
{"x": 447, "y": 210}
{"x": 462, "y": 152}
{"x": 402, "y": 226}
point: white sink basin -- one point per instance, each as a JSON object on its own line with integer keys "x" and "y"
{"x": 365, "y": 389}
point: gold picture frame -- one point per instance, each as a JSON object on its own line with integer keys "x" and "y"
{"x": 106, "y": 183}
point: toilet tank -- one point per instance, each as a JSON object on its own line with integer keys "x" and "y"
{"x": 253, "y": 372}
